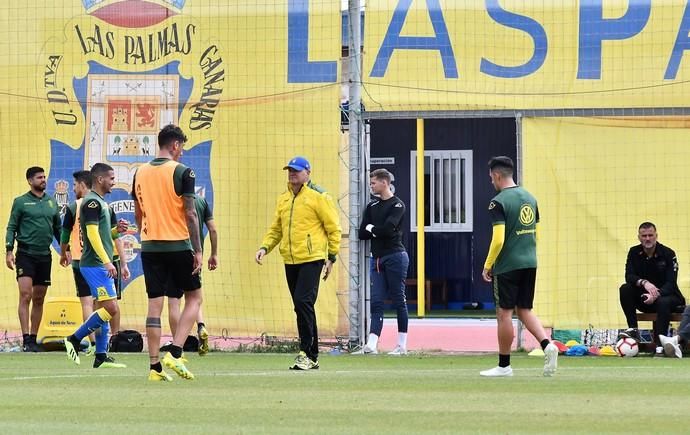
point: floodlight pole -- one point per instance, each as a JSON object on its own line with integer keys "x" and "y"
{"x": 357, "y": 164}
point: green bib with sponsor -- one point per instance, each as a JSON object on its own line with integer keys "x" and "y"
{"x": 521, "y": 216}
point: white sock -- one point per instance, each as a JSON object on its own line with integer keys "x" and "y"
{"x": 402, "y": 340}
{"x": 373, "y": 341}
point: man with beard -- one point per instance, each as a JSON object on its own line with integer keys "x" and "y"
{"x": 97, "y": 267}
{"x": 651, "y": 286}
{"x": 34, "y": 222}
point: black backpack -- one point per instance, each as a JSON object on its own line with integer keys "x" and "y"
{"x": 191, "y": 344}
{"x": 127, "y": 341}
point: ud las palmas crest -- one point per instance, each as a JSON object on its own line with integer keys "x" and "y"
{"x": 123, "y": 113}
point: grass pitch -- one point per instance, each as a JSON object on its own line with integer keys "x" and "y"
{"x": 255, "y": 393}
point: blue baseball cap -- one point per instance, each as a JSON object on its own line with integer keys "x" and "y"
{"x": 298, "y": 163}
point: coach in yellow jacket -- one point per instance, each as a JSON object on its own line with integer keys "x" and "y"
{"x": 306, "y": 226}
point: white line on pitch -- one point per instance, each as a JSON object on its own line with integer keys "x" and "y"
{"x": 407, "y": 372}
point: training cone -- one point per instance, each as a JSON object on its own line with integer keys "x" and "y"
{"x": 536, "y": 352}
{"x": 607, "y": 351}
{"x": 561, "y": 347}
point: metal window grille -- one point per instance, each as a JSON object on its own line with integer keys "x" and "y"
{"x": 448, "y": 191}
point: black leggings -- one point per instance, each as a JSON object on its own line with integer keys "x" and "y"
{"x": 631, "y": 301}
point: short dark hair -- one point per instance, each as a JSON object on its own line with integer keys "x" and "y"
{"x": 99, "y": 170}
{"x": 502, "y": 164}
{"x": 33, "y": 171}
{"x": 83, "y": 176}
{"x": 645, "y": 225}
{"x": 382, "y": 174}
{"x": 169, "y": 134}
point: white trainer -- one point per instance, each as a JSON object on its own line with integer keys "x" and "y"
{"x": 497, "y": 372}
{"x": 671, "y": 346}
{"x": 550, "y": 359}
{"x": 398, "y": 351}
{"x": 366, "y": 350}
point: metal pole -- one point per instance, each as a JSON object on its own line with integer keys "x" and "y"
{"x": 355, "y": 161}
{"x": 365, "y": 254}
{"x": 518, "y": 156}
{"x": 421, "y": 200}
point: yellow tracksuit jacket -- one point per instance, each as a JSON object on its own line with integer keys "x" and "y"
{"x": 306, "y": 226}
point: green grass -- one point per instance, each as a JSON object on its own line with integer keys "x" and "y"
{"x": 255, "y": 393}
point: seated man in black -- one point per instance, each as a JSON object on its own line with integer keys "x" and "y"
{"x": 651, "y": 272}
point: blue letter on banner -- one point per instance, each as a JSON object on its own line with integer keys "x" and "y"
{"x": 393, "y": 40}
{"x": 520, "y": 22}
{"x": 300, "y": 70}
{"x": 594, "y": 29}
{"x": 682, "y": 44}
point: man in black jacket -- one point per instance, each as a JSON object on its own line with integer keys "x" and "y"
{"x": 651, "y": 273}
{"x": 381, "y": 224}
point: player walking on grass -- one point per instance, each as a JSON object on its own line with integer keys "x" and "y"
{"x": 205, "y": 215}
{"x": 170, "y": 246}
{"x": 34, "y": 221}
{"x": 381, "y": 224}
{"x": 72, "y": 245}
{"x": 511, "y": 265}
{"x": 97, "y": 268}
{"x": 305, "y": 224}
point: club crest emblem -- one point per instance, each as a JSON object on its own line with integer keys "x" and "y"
{"x": 128, "y": 89}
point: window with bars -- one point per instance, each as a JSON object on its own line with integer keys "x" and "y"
{"x": 447, "y": 191}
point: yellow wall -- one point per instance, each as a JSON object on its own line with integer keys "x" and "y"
{"x": 261, "y": 121}
{"x": 596, "y": 180}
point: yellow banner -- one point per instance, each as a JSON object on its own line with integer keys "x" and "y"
{"x": 89, "y": 81}
{"x": 525, "y": 54}
{"x": 596, "y": 181}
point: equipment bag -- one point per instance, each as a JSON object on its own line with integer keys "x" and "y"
{"x": 127, "y": 341}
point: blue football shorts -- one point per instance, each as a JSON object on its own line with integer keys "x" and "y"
{"x": 102, "y": 286}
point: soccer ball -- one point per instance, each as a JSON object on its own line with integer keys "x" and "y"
{"x": 627, "y": 347}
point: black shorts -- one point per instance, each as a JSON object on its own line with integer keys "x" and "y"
{"x": 169, "y": 273}
{"x": 178, "y": 293}
{"x": 35, "y": 267}
{"x": 83, "y": 289}
{"x": 515, "y": 288}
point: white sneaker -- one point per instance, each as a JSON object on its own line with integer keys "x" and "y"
{"x": 671, "y": 346}
{"x": 366, "y": 350}
{"x": 550, "y": 359}
{"x": 497, "y": 372}
{"x": 398, "y": 351}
